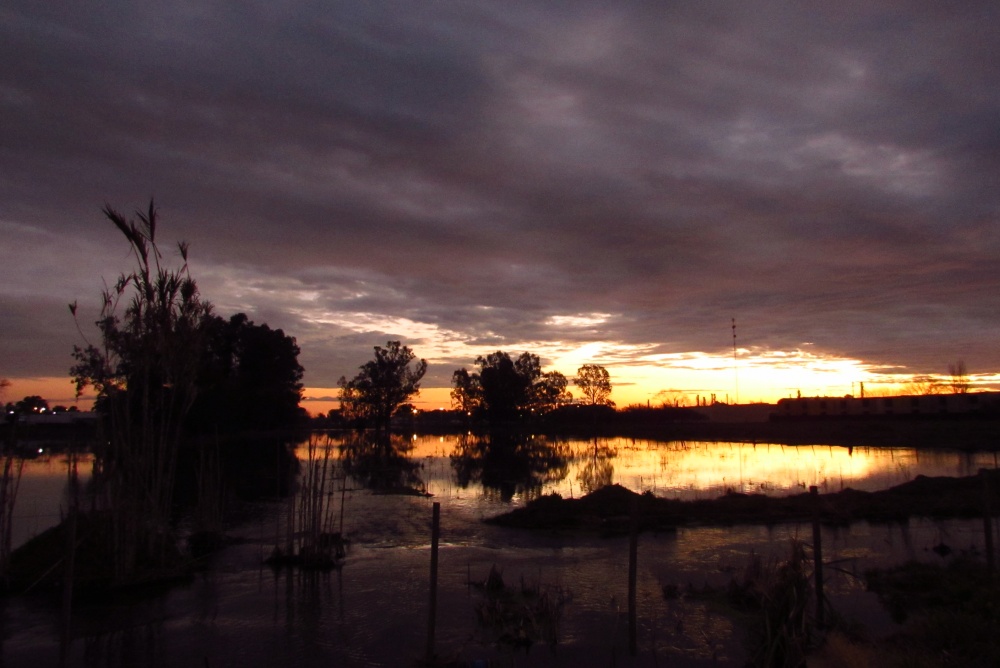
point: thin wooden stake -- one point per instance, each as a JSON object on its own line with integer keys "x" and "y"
{"x": 70, "y": 568}
{"x": 988, "y": 523}
{"x": 633, "y": 558}
{"x": 343, "y": 498}
{"x": 432, "y": 612}
{"x": 818, "y": 558}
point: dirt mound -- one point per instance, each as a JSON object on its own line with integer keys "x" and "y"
{"x": 614, "y": 508}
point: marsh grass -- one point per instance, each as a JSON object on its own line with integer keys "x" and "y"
{"x": 10, "y": 481}
{"x": 520, "y": 616}
{"x": 145, "y": 376}
{"x": 311, "y": 541}
{"x": 208, "y": 514}
{"x": 774, "y": 597}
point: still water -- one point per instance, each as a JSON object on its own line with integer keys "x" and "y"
{"x": 373, "y": 610}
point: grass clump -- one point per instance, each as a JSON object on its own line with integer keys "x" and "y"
{"x": 775, "y": 595}
{"x": 518, "y": 617}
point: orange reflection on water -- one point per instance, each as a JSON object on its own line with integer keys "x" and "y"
{"x": 40, "y": 495}
{"x": 699, "y": 469}
{"x": 695, "y": 468}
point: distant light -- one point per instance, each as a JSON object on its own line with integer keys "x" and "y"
{"x": 41, "y": 450}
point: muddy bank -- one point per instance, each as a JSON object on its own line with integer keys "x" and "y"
{"x": 610, "y": 510}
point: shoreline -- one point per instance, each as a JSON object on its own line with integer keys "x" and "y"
{"x": 612, "y": 510}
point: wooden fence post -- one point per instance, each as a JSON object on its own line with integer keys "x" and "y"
{"x": 818, "y": 558}
{"x": 633, "y": 557}
{"x": 432, "y": 612}
{"x": 988, "y": 523}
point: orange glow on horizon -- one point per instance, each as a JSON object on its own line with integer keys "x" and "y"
{"x": 320, "y": 400}
{"x": 57, "y": 390}
{"x": 637, "y": 376}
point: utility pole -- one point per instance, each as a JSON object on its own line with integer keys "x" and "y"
{"x": 736, "y": 368}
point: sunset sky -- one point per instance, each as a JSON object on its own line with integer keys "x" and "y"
{"x": 593, "y": 182}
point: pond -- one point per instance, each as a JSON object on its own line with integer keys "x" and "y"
{"x": 372, "y": 611}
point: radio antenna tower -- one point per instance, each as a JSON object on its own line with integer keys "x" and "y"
{"x": 736, "y": 368}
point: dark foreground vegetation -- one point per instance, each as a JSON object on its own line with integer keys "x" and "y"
{"x": 949, "y": 613}
{"x": 76, "y": 553}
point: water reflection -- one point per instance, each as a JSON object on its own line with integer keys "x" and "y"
{"x": 508, "y": 464}
{"x": 598, "y": 471}
{"x": 381, "y": 462}
{"x": 371, "y": 611}
{"x": 501, "y": 468}
{"x": 42, "y": 495}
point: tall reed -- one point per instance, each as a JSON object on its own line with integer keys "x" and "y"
{"x": 145, "y": 372}
{"x": 778, "y": 593}
{"x": 10, "y": 481}
{"x": 311, "y": 540}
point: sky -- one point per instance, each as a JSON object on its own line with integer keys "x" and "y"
{"x": 608, "y": 183}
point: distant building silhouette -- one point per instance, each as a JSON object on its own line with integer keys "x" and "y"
{"x": 923, "y": 405}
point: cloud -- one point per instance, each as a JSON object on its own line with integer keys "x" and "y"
{"x": 468, "y": 178}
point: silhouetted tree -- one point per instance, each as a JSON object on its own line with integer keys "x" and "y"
{"x": 466, "y": 393}
{"x": 505, "y": 389}
{"x": 32, "y": 404}
{"x": 383, "y": 384}
{"x": 674, "y": 398}
{"x": 595, "y": 383}
{"x": 250, "y": 378}
{"x": 11, "y": 467}
{"x": 922, "y": 385}
{"x": 505, "y": 385}
{"x": 959, "y": 377}
{"x": 549, "y": 392}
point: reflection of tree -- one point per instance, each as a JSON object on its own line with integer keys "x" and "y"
{"x": 380, "y": 461}
{"x": 598, "y": 472}
{"x": 508, "y": 464}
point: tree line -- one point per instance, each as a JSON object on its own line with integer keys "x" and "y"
{"x": 501, "y": 389}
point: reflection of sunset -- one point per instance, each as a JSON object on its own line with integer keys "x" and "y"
{"x": 684, "y": 468}
{"x": 40, "y": 493}
{"x": 704, "y": 470}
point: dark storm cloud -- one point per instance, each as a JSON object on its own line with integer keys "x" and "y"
{"x": 824, "y": 172}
